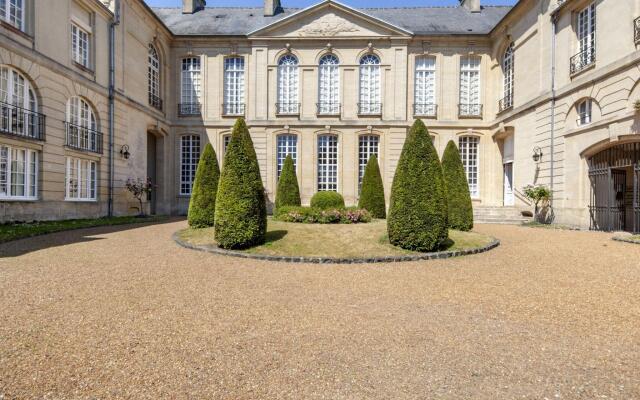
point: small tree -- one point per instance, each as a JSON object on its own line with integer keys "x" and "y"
{"x": 418, "y": 208}
{"x": 241, "y": 209}
{"x": 202, "y": 206}
{"x": 372, "y": 191}
{"x": 458, "y": 196}
{"x": 541, "y": 196}
{"x": 139, "y": 189}
{"x": 288, "y": 192}
{"x": 327, "y": 200}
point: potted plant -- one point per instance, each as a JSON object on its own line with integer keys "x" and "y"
{"x": 139, "y": 189}
{"x": 540, "y": 195}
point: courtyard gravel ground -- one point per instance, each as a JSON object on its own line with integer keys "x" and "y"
{"x": 123, "y": 312}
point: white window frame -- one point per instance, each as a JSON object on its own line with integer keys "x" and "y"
{"x": 288, "y": 85}
{"x": 585, "y": 112}
{"x": 13, "y": 12}
{"x": 190, "y": 85}
{"x": 424, "y": 96}
{"x": 29, "y": 171}
{"x": 16, "y": 92}
{"x": 470, "y": 86}
{"x": 586, "y": 28}
{"x": 508, "y": 72}
{"x": 370, "y": 85}
{"x": 368, "y": 145}
{"x": 328, "y": 163}
{"x": 190, "y": 148}
{"x": 329, "y": 85}
{"x": 286, "y": 144}
{"x": 82, "y": 173}
{"x": 226, "y": 139}
{"x": 82, "y": 133}
{"x": 469, "y": 147}
{"x": 80, "y": 45}
{"x": 234, "y": 86}
{"x": 154, "y": 72}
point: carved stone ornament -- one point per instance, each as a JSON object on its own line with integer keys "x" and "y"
{"x": 328, "y": 25}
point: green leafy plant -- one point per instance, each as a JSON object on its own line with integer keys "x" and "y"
{"x": 312, "y": 215}
{"x": 140, "y": 189}
{"x": 202, "y": 206}
{"x": 288, "y": 192}
{"x": 636, "y": 105}
{"x": 418, "y": 208}
{"x": 326, "y": 200}
{"x": 458, "y": 196}
{"x": 540, "y": 195}
{"x": 372, "y": 192}
{"x": 241, "y": 210}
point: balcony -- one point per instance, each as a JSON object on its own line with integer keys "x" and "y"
{"x": 233, "y": 109}
{"x": 505, "y": 103}
{"x": 328, "y": 108}
{"x": 20, "y": 122}
{"x": 189, "y": 109}
{"x": 155, "y": 102}
{"x": 82, "y": 138}
{"x": 425, "y": 110}
{"x": 582, "y": 60}
{"x": 470, "y": 110}
{"x": 288, "y": 108}
{"x": 636, "y": 25}
{"x": 369, "y": 108}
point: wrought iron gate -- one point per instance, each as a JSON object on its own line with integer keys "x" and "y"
{"x": 607, "y": 208}
{"x": 636, "y": 198}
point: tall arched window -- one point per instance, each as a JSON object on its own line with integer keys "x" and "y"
{"x": 82, "y": 133}
{"x": 507, "y": 86}
{"x": 370, "y": 85}
{"x": 469, "y": 146}
{"x": 288, "y": 85}
{"x": 154, "y": 78}
{"x": 329, "y": 85}
{"x": 18, "y": 106}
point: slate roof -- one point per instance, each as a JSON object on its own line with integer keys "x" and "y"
{"x": 236, "y": 21}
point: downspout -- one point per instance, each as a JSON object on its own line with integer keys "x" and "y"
{"x": 112, "y": 86}
{"x": 554, "y": 21}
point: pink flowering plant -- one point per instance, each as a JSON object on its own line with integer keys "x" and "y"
{"x": 313, "y": 215}
{"x": 140, "y": 189}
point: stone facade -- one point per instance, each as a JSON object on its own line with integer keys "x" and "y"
{"x": 508, "y": 124}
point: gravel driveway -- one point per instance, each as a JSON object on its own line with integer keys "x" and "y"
{"x": 123, "y": 312}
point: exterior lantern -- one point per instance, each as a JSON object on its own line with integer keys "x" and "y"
{"x": 537, "y": 154}
{"x": 124, "y": 151}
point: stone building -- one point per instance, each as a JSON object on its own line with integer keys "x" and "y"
{"x": 96, "y": 92}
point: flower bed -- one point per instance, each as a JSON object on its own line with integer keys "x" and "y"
{"x": 312, "y": 215}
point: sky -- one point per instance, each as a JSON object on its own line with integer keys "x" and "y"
{"x": 305, "y": 3}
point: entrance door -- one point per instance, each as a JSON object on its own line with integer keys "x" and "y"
{"x": 151, "y": 170}
{"x": 636, "y": 198}
{"x": 508, "y": 184}
{"x": 607, "y": 208}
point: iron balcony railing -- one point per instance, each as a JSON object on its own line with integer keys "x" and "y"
{"x": 233, "y": 109}
{"x": 18, "y": 121}
{"x": 425, "y": 110}
{"x": 288, "y": 108}
{"x": 189, "y": 109}
{"x": 369, "y": 108}
{"x": 505, "y": 103}
{"x": 636, "y": 24}
{"x": 155, "y": 102}
{"x": 82, "y": 138}
{"x": 582, "y": 60}
{"x": 328, "y": 108}
{"x": 469, "y": 110}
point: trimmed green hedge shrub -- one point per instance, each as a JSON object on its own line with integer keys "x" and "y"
{"x": 288, "y": 192}
{"x": 311, "y": 215}
{"x": 202, "y": 206}
{"x": 326, "y": 200}
{"x": 372, "y": 192}
{"x": 458, "y": 196}
{"x": 241, "y": 209}
{"x": 418, "y": 207}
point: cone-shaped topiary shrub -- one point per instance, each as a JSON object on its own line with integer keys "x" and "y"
{"x": 327, "y": 200}
{"x": 202, "y": 206}
{"x": 458, "y": 196}
{"x": 418, "y": 208}
{"x": 288, "y": 192}
{"x": 241, "y": 210}
{"x": 372, "y": 192}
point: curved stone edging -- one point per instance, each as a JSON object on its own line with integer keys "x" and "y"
{"x": 623, "y": 239}
{"x": 331, "y": 260}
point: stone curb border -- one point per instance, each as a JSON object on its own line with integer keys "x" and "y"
{"x": 622, "y": 239}
{"x": 330, "y": 260}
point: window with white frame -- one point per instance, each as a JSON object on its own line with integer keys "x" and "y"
{"x": 82, "y": 131}
{"x": 189, "y": 157}
{"x": 584, "y": 112}
{"x": 507, "y": 83}
{"x": 12, "y": 11}
{"x": 329, "y": 85}
{"x": 190, "y": 86}
{"x": 587, "y": 29}
{"x": 154, "y": 78}
{"x": 234, "y": 86}
{"x": 18, "y": 173}
{"x": 370, "y": 102}
{"x": 18, "y": 105}
{"x": 226, "y": 139}
{"x": 468, "y": 146}
{"x": 82, "y": 178}
{"x": 288, "y": 85}
{"x": 425, "y": 86}
{"x": 328, "y": 163}
{"x": 286, "y": 145}
{"x": 80, "y": 45}
{"x": 470, "y": 86}
{"x": 367, "y": 147}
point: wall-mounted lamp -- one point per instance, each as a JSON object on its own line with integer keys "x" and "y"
{"x": 124, "y": 151}
{"x": 537, "y": 154}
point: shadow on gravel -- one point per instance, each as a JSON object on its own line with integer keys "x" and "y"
{"x": 21, "y": 247}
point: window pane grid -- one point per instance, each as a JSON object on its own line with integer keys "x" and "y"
{"x": 507, "y": 67}
{"x": 81, "y": 179}
{"x": 288, "y": 85}
{"x": 80, "y": 45}
{"x": 189, "y": 157}
{"x": 190, "y": 85}
{"x": 328, "y": 163}
{"x": 425, "y": 86}
{"x": 367, "y": 147}
{"x": 329, "y": 85}
{"x": 12, "y": 11}
{"x": 468, "y": 146}
{"x": 18, "y": 173}
{"x": 234, "y": 86}
{"x": 286, "y": 145}
{"x": 370, "y": 85}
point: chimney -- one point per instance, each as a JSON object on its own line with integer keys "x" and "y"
{"x": 272, "y": 7}
{"x": 471, "y": 5}
{"x": 192, "y": 6}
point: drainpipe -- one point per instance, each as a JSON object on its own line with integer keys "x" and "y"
{"x": 554, "y": 21}
{"x": 112, "y": 87}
